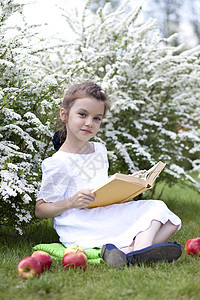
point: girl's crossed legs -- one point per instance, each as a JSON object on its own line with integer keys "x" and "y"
{"x": 156, "y": 233}
{"x": 148, "y": 246}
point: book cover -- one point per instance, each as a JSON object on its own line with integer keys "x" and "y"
{"x": 121, "y": 187}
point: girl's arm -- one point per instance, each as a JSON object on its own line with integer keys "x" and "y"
{"x": 52, "y": 209}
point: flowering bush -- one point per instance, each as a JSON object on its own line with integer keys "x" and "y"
{"x": 153, "y": 91}
{"x": 28, "y": 97}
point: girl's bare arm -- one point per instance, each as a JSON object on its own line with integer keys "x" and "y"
{"x": 52, "y": 209}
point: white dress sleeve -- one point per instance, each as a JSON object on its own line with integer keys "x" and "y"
{"x": 55, "y": 180}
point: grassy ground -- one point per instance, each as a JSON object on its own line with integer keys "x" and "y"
{"x": 179, "y": 280}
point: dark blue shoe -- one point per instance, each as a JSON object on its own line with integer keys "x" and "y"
{"x": 114, "y": 257}
{"x": 158, "y": 252}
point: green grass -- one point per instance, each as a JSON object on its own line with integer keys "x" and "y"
{"x": 179, "y": 280}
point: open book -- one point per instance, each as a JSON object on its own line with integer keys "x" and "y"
{"x": 121, "y": 187}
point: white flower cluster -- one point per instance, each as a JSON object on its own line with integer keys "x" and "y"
{"x": 29, "y": 101}
{"x": 154, "y": 91}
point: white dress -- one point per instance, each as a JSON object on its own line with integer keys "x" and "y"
{"x": 64, "y": 174}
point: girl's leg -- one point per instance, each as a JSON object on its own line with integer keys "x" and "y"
{"x": 166, "y": 230}
{"x": 144, "y": 238}
{"x": 156, "y": 233}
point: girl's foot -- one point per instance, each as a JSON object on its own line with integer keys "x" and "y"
{"x": 127, "y": 249}
{"x": 167, "y": 252}
{"x": 114, "y": 257}
{"x": 155, "y": 253}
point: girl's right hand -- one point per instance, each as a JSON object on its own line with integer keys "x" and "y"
{"x": 82, "y": 198}
{"x": 52, "y": 209}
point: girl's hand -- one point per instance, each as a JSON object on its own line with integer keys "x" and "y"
{"x": 52, "y": 209}
{"x": 82, "y": 199}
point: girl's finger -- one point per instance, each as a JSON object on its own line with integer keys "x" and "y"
{"x": 90, "y": 195}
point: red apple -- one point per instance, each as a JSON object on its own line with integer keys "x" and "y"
{"x": 44, "y": 258}
{"x": 73, "y": 248}
{"x": 29, "y": 267}
{"x": 73, "y": 260}
{"x": 192, "y": 247}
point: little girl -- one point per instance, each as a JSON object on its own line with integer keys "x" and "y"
{"x": 130, "y": 232}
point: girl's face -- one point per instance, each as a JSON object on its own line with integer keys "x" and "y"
{"x": 84, "y": 119}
